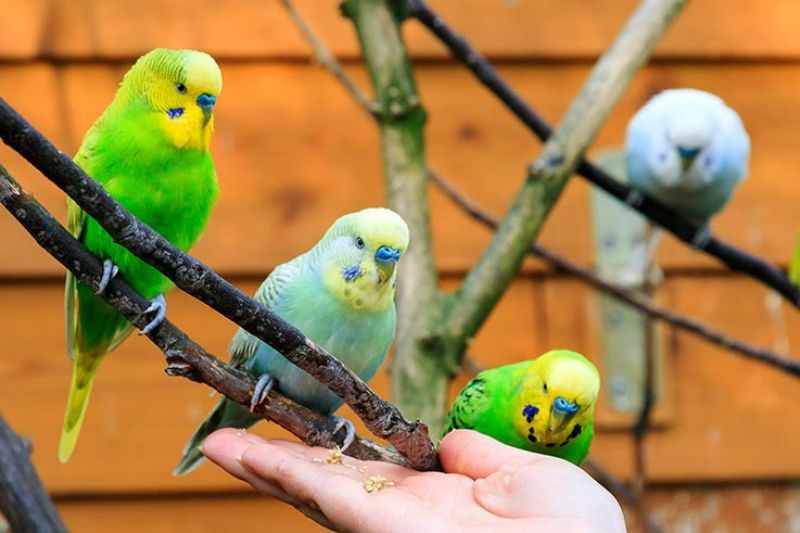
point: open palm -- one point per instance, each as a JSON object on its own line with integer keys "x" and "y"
{"x": 487, "y": 486}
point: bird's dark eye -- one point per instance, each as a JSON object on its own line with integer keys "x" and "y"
{"x": 544, "y": 388}
{"x": 359, "y": 242}
{"x": 181, "y": 88}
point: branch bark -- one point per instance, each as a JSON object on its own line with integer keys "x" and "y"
{"x": 546, "y": 178}
{"x": 24, "y": 503}
{"x": 381, "y": 418}
{"x": 419, "y": 382}
{"x": 728, "y": 254}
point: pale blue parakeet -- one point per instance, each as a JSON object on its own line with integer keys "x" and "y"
{"x": 688, "y": 150}
{"x": 341, "y": 295}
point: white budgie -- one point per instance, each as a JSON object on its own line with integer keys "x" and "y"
{"x": 688, "y": 150}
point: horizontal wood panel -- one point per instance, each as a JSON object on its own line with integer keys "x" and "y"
{"x": 256, "y": 29}
{"x": 746, "y": 508}
{"x": 728, "y": 417}
{"x": 139, "y": 419}
{"x": 200, "y": 514}
{"x": 293, "y": 153}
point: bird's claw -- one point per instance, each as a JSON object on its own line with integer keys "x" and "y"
{"x": 264, "y": 385}
{"x": 702, "y": 236}
{"x": 350, "y": 429}
{"x": 110, "y": 270}
{"x": 159, "y": 306}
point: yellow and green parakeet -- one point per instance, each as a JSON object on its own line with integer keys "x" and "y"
{"x": 150, "y": 151}
{"x": 545, "y": 405}
{"x": 340, "y": 294}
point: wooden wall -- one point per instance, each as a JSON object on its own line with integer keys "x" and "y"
{"x": 293, "y": 152}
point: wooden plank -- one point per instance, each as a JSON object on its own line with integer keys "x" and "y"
{"x": 727, "y": 418}
{"x": 293, "y": 153}
{"x": 139, "y": 419}
{"x": 197, "y": 513}
{"x": 772, "y": 507}
{"x": 254, "y": 29}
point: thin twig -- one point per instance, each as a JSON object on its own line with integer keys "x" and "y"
{"x": 328, "y": 60}
{"x": 631, "y": 298}
{"x": 24, "y": 503}
{"x": 381, "y": 417}
{"x": 732, "y": 257}
{"x": 548, "y": 175}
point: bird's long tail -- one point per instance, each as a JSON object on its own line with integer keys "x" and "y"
{"x": 226, "y": 414}
{"x": 84, "y": 371}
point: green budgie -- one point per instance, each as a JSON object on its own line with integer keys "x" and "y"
{"x": 545, "y": 405}
{"x": 150, "y": 150}
{"x": 341, "y": 295}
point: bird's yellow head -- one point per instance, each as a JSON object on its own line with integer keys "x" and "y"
{"x": 558, "y": 398}
{"x": 182, "y": 86}
{"x": 360, "y": 253}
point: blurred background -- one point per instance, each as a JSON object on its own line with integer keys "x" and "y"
{"x": 293, "y": 152}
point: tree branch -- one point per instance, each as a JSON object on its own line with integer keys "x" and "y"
{"x": 728, "y": 254}
{"x": 419, "y": 382}
{"x": 486, "y": 282}
{"x": 24, "y": 503}
{"x": 382, "y": 418}
{"x": 631, "y": 298}
{"x": 326, "y": 58}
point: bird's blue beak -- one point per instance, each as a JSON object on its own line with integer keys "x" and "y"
{"x": 561, "y": 412}
{"x": 687, "y": 156}
{"x": 206, "y": 102}
{"x": 386, "y": 259}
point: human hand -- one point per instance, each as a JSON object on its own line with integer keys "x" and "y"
{"x": 487, "y": 486}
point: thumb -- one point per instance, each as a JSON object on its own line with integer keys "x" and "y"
{"x": 511, "y": 491}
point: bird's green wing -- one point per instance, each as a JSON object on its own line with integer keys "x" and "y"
{"x": 244, "y": 344}
{"x": 469, "y": 406}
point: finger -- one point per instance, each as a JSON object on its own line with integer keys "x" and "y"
{"x": 477, "y": 456}
{"x": 339, "y": 496}
{"x": 225, "y": 448}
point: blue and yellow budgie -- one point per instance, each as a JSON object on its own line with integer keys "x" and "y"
{"x": 689, "y": 150}
{"x": 341, "y": 295}
{"x": 150, "y": 151}
{"x": 545, "y": 405}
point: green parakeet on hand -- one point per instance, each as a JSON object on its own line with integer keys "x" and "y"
{"x": 150, "y": 151}
{"x": 340, "y": 294}
{"x": 545, "y": 405}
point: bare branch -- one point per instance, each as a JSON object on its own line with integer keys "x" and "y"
{"x": 486, "y": 282}
{"x": 328, "y": 60}
{"x": 728, "y": 254}
{"x": 631, "y": 298}
{"x": 381, "y": 417}
{"x": 23, "y": 501}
